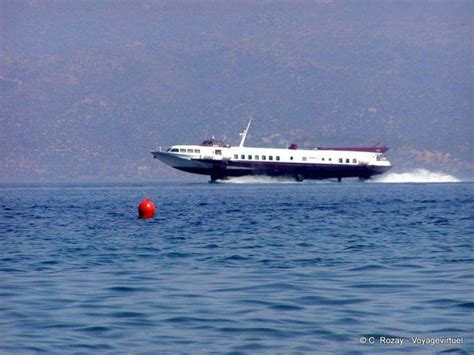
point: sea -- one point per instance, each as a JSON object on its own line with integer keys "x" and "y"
{"x": 257, "y": 266}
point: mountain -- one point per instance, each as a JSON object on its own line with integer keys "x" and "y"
{"x": 87, "y": 88}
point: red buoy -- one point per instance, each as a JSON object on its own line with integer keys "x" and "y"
{"x": 146, "y": 209}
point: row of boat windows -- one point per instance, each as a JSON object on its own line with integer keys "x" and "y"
{"x": 270, "y": 157}
{"x": 181, "y": 150}
{"x": 257, "y": 157}
{"x": 254, "y": 157}
{"x": 341, "y": 160}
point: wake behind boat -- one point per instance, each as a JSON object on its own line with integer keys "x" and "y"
{"x": 220, "y": 161}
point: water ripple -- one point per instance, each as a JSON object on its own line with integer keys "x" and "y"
{"x": 269, "y": 268}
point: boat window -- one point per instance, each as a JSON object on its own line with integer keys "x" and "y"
{"x": 348, "y": 161}
{"x": 340, "y": 160}
{"x": 291, "y": 158}
{"x": 256, "y": 157}
{"x": 322, "y": 159}
{"x": 190, "y": 150}
{"x": 197, "y": 150}
{"x": 174, "y": 150}
{"x": 236, "y": 156}
{"x": 264, "y": 157}
{"x": 270, "y": 157}
{"x": 330, "y": 159}
{"x": 182, "y": 150}
{"x": 354, "y": 161}
{"x": 277, "y": 157}
{"x": 218, "y": 152}
{"x": 242, "y": 156}
{"x": 304, "y": 158}
{"x": 249, "y": 157}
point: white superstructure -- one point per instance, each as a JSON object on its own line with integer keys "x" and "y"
{"x": 219, "y": 160}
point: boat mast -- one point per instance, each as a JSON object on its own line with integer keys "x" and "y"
{"x": 244, "y": 134}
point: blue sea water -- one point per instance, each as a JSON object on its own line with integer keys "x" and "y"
{"x": 244, "y": 268}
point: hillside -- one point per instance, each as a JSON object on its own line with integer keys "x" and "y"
{"x": 88, "y": 88}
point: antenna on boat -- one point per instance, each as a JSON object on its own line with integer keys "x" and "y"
{"x": 244, "y": 133}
